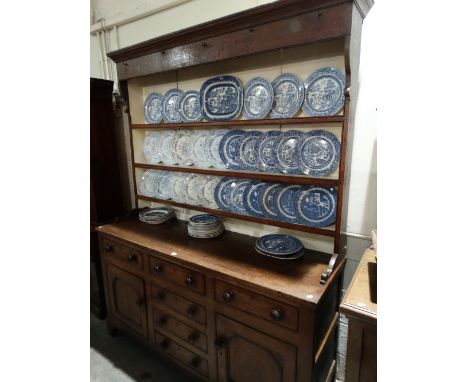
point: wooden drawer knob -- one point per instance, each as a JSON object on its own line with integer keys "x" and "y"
{"x": 162, "y": 320}
{"x": 228, "y": 295}
{"x": 108, "y": 248}
{"x": 161, "y": 296}
{"x": 276, "y": 315}
{"x": 189, "y": 280}
{"x": 192, "y": 310}
{"x": 195, "y": 362}
{"x": 164, "y": 344}
{"x": 157, "y": 268}
{"x": 193, "y": 337}
{"x": 219, "y": 342}
{"x": 131, "y": 257}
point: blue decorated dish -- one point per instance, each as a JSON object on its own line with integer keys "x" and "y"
{"x": 324, "y": 92}
{"x": 267, "y": 160}
{"x": 288, "y": 92}
{"x": 236, "y": 196}
{"x": 267, "y": 197}
{"x": 171, "y": 102}
{"x": 221, "y": 193}
{"x": 221, "y": 98}
{"x": 153, "y": 108}
{"x": 189, "y": 106}
{"x": 252, "y": 198}
{"x": 248, "y": 150}
{"x": 258, "y": 98}
{"x": 287, "y": 152}
{"x": 286, "y": 203}
{"x": 229, "y": 148}
{"x": 316, "y": 206}
{"x": 319, "y": 153}
{"x": 279, "y": 245}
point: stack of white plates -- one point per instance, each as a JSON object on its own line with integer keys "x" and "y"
{"x": 205, "y": 226}
{"x": 157, "y": 215}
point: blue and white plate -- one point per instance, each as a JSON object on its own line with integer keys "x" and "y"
{"x": 268, "y": 197}
{"x": 229, "y": 148}
{"x": 150, "y": 147}
{"x": 166, "y": 147}
{"x": 197, "y": 148}
{"x": 189, "y": 106}
{"x": 286, "y": 203}
{"x": 288, "y": 92}
{"x": 207, "y": 191}
{"x": 279, "y": 245}
{"x": 267, "y": 160}
{"x": 147, "y": 185}
{"x": 252, "y": 198}
{"x": 170, "y": 108}
{"x": 319, "y": 153}
{"x": 258, "y": 98}
{"x": 236, "y": 197}
{"x": 221, "y": 193}
{"x": 192, "y": 186}
{"x": 221, "y": 98}
{"x": 153, "y": 108}
{"x": 204, "y": 219}
{"x": 324, "y": 92}
{"x": 287, "y": 152}
{"x": 212, "y": 148}
{"x": 248, "y": 150}
{"x": 316, "y": 206}
{"x": 164, "y": 184}
{"x": 182, "y": 147}
{"x": 178, "y": 192}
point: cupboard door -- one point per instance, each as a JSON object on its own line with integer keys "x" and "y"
{"x": 127, "y": 299}
{"x": 245, "y": 354}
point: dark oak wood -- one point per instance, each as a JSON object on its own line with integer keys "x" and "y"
{"x": 297, "y": 227}
{"x": 280, "y": 178}
{"x": 244, "y": 122}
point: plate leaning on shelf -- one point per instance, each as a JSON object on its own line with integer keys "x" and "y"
{"x": 316, "y": 206}
{"x": 258, "y": 98}
{"x": 288, "y": 92}
{"x": 153, "y": 108}
{"x": 189, "y": 106}
{"x": 229, "y": 148}
{"x": 324, "y": 92}
{"x": 287, "y": 153}
{"x": 222, "y": 98}
{"x": 267, "y": 160}
{"x": 319, "y": 153}
{"x": 251, "y": 198}
{"x": 198, "y": 145}
{"x": 285, "y": 203}
{"x": 212, "y": 148}
{"x": 182, "y": 147}
{"x": 171, "y": 113}
{"x": 166, "y": 147}
{"x": 248, "y": 150}
{"x": 151, "y": 147}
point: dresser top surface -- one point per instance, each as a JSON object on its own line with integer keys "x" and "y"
{"x": 232, "y": 254}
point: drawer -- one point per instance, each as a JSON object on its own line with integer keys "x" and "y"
{"x": 167, "y": 271}
{"x": 178, "y": 304}
{"x": 166, "y": 322}
{"x": 258, "y": 305}
{"x": 181, "y": 354}
{"x": 127, "y": 256}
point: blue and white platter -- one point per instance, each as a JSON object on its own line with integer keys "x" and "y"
{"x": 153, "y": 108}
{"x": 251, "y": 198}
{"x": 288, "y": 92}
{"x": 248, "y": 150}
{"x": 324, "y": 92}
{"x": 286, "y": 203}
{"x": 279, "y": 245}
{"x": 267, "y": 160}
{"x": 221, "y": 98}
{"x": 267, "y": 197}
{"x": 319, "y": 153}
{"x": 221, "y": 193}
{"x": 229, "y": 148}
{"x": 189, "y": 106}
{"x": 316, "y": 206}
{"x": 258, "y": 98}
{"x": 170, "y": 110}
{"x": 287, "y": 151}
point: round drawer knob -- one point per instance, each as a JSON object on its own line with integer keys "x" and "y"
{"x": 162, "y": 320}
{"x": 161, "y": 296}
{"x": 227, "y": 295}
{"x": 219, "y": 342}
{"x": 108, "y": 248}
{"x": 193, "y": 337}
{"x": 189, "y": 280}
{"x": 192, "y": 311}
{"x": 131, "y": 257}
{"x": 157, "y": 268}
{"x": 195, "y": 362}
{"x": 276, "y": 315}
{"x": 164, "y": 344}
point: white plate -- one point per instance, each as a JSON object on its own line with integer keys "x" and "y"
{"x": 197, "y": 148}
{"x": 208, "y": 191}
{"x": 166, "y": 147}
{"x": 192, "y": 186}
{"x": 212, "y": 148}
{"x": 177, "y": 182}
{"x": 181, "y": 147}
{"x": 151, "y": 147}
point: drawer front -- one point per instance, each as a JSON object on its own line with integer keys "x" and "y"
{"x": 181, "y": 354}
{"x": 258, "y": 305}
{"x": 165, "y": 321}
{"x": 178, "y": 304}
{"x": 130, "y": 258}
{"x": 167, "y": 271}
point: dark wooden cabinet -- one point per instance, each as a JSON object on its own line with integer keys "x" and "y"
{"x": 245, "y": 354}
{"x": 127, "y": 299}
{"x": 105, "y": 198}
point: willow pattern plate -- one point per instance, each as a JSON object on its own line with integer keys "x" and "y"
{"x": 193, "y": 184}
{"x": 288, "y": 92}
{"x": 324, "y": 92}
{"x": 287, "y": 151}
{"x": 198, "y": 148}
{"x": 221, "y": 193}
{"x": 279, "y": 244}
{"x": 151, "y": 147}
{"x": 319, "y": 153}
{"x": 208, "y": 190}
{"x": 165, "y": 185}
{"x": 153, "y": 108}
{"x": 268, "y": 202}
{"x": 212, "y": 148}
{"x": 171, "y": 102}
{"x": 221, "y": 98}
{"x": 147, "y": 185}
{"x": 252, "y": 198}
{"x": 267, "y": 159}
{"x": 258, "y": 98}
{"x": 166, "y": 147}
{"x": 189, "y": 106}
{"x": 236, "y": 197}
{"x": 178, "y": 192}
{"x": 316, "y": 206}
{"x": 248, "y": 150}
{"x": 229, "y": 148}
{"x": 182, "y": 147}
{"x": 286, "y": 203}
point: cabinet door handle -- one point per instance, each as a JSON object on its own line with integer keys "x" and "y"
{"x": 219, "y": 342}
{"x": 131, "y": 257}
{"x": 228, "y": 295}
{"x": 189, "y": 280}
{"x": 276, "y": 315}
{"x": 108, "y": 248}
{"x": 193, "y": 337}
{"x": 195, "y": 362}
{"x": 164, "y": 344}
{"x": 162, "y": 320}
{"x": 192, "y": 310}
{"x": 157, "y": 268}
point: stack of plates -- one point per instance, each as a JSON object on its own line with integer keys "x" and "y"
{"x": 283, "y": 247}
{"x": 157, "y": 215}
{"x": 205, "y": 226}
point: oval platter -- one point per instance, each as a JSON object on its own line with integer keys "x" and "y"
{"x": 221, "y": 98}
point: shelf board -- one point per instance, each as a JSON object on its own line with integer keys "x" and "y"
{"x": 242, "y": 122}
{"x": 319, "y": 231}
{"x": 281, "y": 178}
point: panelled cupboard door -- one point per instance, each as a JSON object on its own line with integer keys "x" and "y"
{"x": 246, "y": 355}
{"x": 127, "y": 299}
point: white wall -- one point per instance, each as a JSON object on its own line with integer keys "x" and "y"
{"x": 173, "y": 15}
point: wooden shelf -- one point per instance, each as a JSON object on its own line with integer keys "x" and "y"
{"x": 242, "y": 122}
{"x": 281, "y": 178}
{"x": 319, "y": 231}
